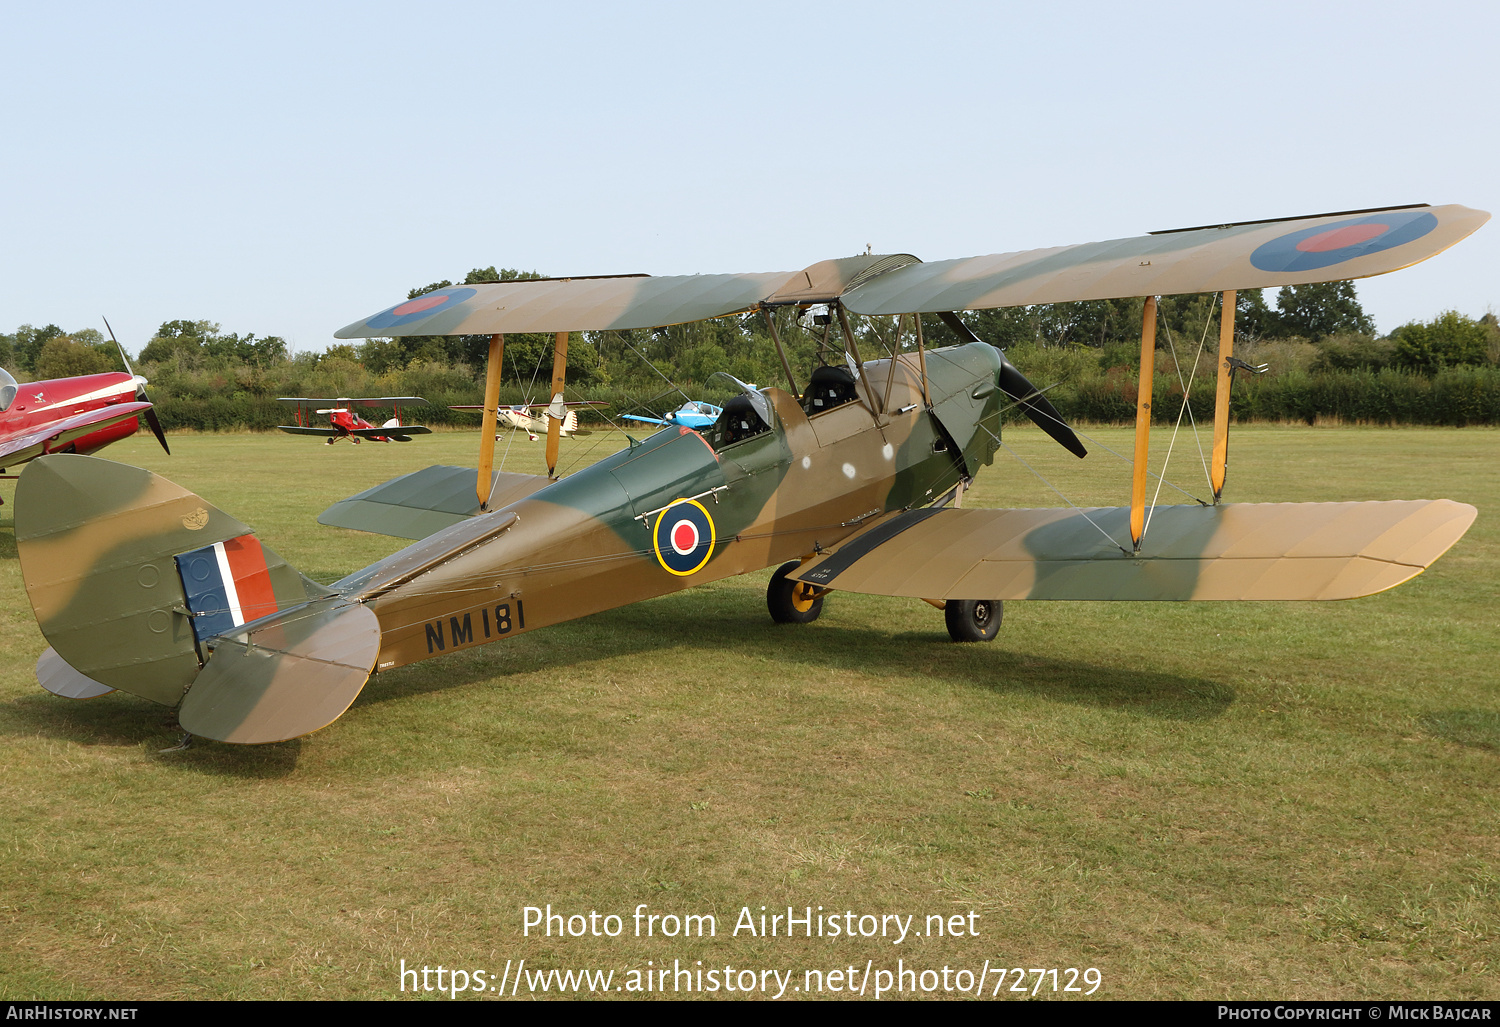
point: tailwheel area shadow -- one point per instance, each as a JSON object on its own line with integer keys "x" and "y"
{"x": 124, "y": 721}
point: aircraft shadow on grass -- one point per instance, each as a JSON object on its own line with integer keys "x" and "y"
{"x": 123, "y": 721}
{"x": 1477, "y": 729}
{"x": 722, "y": 630}
{"x": 715, "y": 624}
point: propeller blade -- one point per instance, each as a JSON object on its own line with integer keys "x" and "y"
{"x": 123, "y": 358}
{"x": 156, "y": 429}
{"x": 140, "y": 393}
{"x": 1027, "y": 396}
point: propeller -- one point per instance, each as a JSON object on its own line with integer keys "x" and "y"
{"x": 1030, "y": 399}
{"x": 140, "y": 393}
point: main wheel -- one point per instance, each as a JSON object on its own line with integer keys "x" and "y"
{"x": 973, "y": 620}
{"x": 792, "y": 602}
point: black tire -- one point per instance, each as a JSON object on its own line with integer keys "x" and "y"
{"x": 973, "y": 620}
{"x": 792, "y": 602}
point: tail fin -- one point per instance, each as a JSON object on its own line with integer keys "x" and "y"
{"x": 136, "y": 582}
{"x": 570, "y": 422}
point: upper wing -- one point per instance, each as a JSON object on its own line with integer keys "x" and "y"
{"x": 1327, "y": 248}
{"x": 366, "y": 401}
{"x": 1236, "y": 551}
{"x": 1296, "y": 251}
{"x": 536, "y": 406}
{"x": 568, "y": 305}
{"x": 20, "y": 448}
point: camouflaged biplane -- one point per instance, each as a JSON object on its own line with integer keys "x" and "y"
{"x": 850, "y": 481}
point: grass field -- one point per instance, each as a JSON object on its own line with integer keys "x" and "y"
{"x": 1199, "y": 800}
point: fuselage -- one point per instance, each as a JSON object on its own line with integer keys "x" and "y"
{"x": 519, "y": 419}
{"x": 35, "y": 405}
{"x": 683, "y": 508}
{"x": 346, "y": 421}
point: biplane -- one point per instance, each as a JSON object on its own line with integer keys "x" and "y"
{"x": 344, "y": 423}
{"x": 82, "y": 414}
{"x": 851, "y": 480}
{"x": 520, "y": 416}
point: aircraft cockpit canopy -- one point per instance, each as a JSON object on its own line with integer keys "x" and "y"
{"x": 740, "y": 421}
{"x": 8, "y": 389}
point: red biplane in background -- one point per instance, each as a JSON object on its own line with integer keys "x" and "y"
{"x": 72, "y": 415}
{"x": 343, "y": 423}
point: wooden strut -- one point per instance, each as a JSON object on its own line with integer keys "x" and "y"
{"x": 853, "y": 349}
{"x": 1219, "y": 467}
{"x": 556, "y": 411}
{"x": 922, "y": 363}
{"x": 776, "y": 338}
{"x": 487, "y": 419}
{"x": 890, "y": 379}
{"x": 1143, "y": 423}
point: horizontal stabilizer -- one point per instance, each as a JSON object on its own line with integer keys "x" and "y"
{"x": 1236, "y": 551}
{"x": 424, "y": 502}
{"x": 283, "y": 676}
{"x": 54, "y": 674}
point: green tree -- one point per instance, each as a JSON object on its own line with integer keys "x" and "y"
{"x": 1448, "y": 340}
{"x": 178, "y": 337}
{"x": 1253, "y": 319}
{"x": 1321, "y": 309}
{"x": 29, "y": 343}
{"x": 248, "y": 350}
{"x": 63, "y": 357}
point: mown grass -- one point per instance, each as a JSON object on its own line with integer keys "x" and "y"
{"x": 1210, "y": 800}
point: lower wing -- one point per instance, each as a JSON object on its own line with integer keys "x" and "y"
{"x": 1235, "y": 551}
{"x": 295, "y": 429}
{"x": 52, "y": 437}
{"x": 401, "y": 433}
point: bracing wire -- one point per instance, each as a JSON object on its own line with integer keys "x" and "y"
{"x": 1097, "y": 442}
{"x": 578, "y": 456}
{"x": 1082, "y": 512}
{"x": 1186, "y": 407}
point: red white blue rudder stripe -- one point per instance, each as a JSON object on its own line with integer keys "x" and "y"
{"x": 227, "y": 584}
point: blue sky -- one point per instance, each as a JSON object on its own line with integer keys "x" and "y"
{"x": 288, "y": 168}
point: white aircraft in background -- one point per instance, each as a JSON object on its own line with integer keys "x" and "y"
{"x": 532, "y": 418}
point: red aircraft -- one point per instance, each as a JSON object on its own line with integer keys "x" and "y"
{"x": 343, "y": 423}
{"x": 72, "y": 415}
